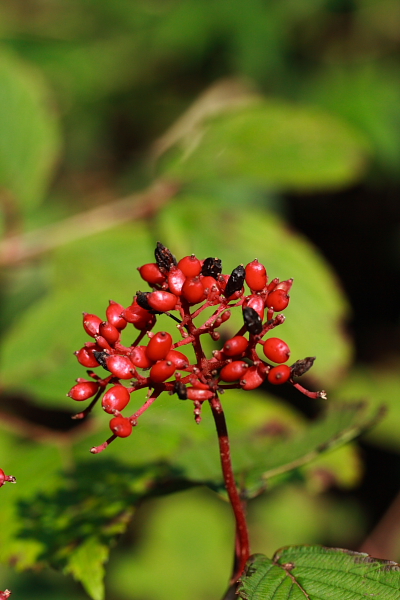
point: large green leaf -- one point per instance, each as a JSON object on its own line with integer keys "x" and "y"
{"x": 29, "y": 134}
{"x": 271, "y": 143}
{"x": 319, "y": 573}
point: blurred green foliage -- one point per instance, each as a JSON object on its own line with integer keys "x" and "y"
{"x": 232, "y": 105}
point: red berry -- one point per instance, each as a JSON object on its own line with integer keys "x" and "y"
{"x": 193, "y": 290}
{"x": 139, "y": 357}
{"x": 233, "y": 371}
{"x": 116, "y": 398}
{"x": 139, "y": 316}
{"x": 109, "y": 332}
{"x": 256, "y": 276}
{"x": 159, "y": 346}
{"x": 253, "y": 378}
{"x": 176, "y": 279}
{"x": 161, "y": 371}
{"x": 91, "y": 324}
{"x": 162, "y": 301}
{"x": 83, "y": 390}
{"x": 102, "y": 343}
{"x": 178, "y": 359}
{"x": 85, "y": 355}
{"x": 278, "y": 375}
{"x": 196, "y": 394}
{"x": 277, "y": 300}
{"x": 209, "y": 283}
{"x": 2, "y": 477}
{"x": 190, "y": 266}
{"x": 235, "y": 346}
{"x": 256, "y": 303}
{"x": 121, "y": 426}
{"x": 284, "y": 285}
{"x": 276, "y": 350}
{"x": 113, "y": 314}
{"x": 120, "y": 366}
{"x": 152, "y": 274}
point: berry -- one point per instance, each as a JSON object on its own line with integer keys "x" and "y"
{"x": 190, "y": 266}
{"x": 253, "y": 378}
{"x": 257, "y": 303}
{"x": 109, "y": 332}
{"x": 113, "y": 314}
{"x": 279, "y": 375}
{"x": 4, "y": 595}
{"x": 193, "y": 290}
{"x": 159, "y": 346}
{"x": 102, "y": 343}
{"x": 277, "y": 300}
{"x": 116, "y": 398}
{"x": 120, "y": 366}
{"x": 176, "y": 279}
{"x": 302, "y": 366}
{"x": 164, "y": 258}
{"x": 209, "y": 283}
{"x": 233, "y": 371}
{"x": 235, "y": 281}
{"x": 139, "y": 358}
{"x": 252, "y": 320}
{"x": 138, "y": 316}
{"x": 256, "y": 276}
{"x": 235, "y": 346}
{"x": 284, "y": 285}
{"x": 212, "y": 267}
{"x": 162, "y": 301}
{"x": 85, "y": 355}
{"x": 196, "y": 394}
{"x": 121, "y": 426}
{"x": 91, "y": 324}
{"x": 152, "y": 274}
{"x": 276, "y": 350}
{"x": 162, "y": 370}
{"x": 83, "y": 390}
{"x": 178, "y": 359}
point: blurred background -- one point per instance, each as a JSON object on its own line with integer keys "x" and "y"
{"x": 230, "y": 129}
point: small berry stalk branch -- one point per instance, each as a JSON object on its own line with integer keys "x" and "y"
{"x": 154, "y": 361}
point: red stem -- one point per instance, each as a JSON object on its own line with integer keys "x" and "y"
{"x": 242, "y": 545}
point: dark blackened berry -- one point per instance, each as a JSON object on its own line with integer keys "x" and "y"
{"x": 180, "y": 390}
{"x": 302, "y": 366}
{"x": 252, "y": 320}
{"x": 101, "y": 358}
{"x": 235, "y": 281}
{"x": 164, "y": 258}
{"x": 212, "y": 267}
{"x": 142, "y": 299}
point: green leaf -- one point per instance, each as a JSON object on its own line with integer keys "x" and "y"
{"x": 319, "y": 573}
{"x": 273, "y": 144}
{"x": 30, "y": 138}
{"x": 86, "y": 565}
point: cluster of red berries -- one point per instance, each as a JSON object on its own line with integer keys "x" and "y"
{"x": 182, "y": 290}
{"x": 4, "y": 478}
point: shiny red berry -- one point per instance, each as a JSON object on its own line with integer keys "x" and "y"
{"x": 91, "y": 324}
{"x": 85, "y": 355}
{"x": 161, "y": 371}
{"x": 190, "y": 266}
{"x": 140, "y": 317}
{"x": 151, "y": 273}
{"x": 113, "y": 314}
{"x": 277, "y": 300}
{"x": 83, "y": 390}
{"x": 253, "y": 378}
{"x": 178, "y": 359}
{"x": 193, "y": 290}
{"x": 120, "y": 366}
{"x": 279, "y": 375}
{"x": 175, "y": 279}
{"x": 162, "y": 301}
{"x": 276, "y": 350}
{"x": 109, "y": 332}
{"x": 256, "y": 276}
{"x": 116, "y": 398}
{"x": 121, "y": 426}
{"x": 235, "y": 346}
{"x": 234, "y": 371}
{"x": 159, "y": 346}
{"x": 256, "y": 303}
{"x": 196, "y": 394}
{"x": 209, "y": 283}
{"x": 139, "y": 357}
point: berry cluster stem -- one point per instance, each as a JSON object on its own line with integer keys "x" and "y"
{"x": 242, "y": 545}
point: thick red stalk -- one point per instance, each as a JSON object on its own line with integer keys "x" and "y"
{"x": 242, "y": 545}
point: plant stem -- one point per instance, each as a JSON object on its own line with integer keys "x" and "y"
{"x": 242, "y": 546}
